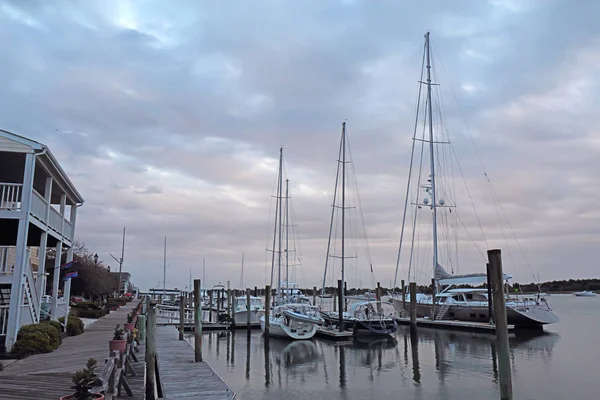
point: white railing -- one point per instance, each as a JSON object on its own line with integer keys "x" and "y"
{"x": 10, "y": 196}
{"x": 68, "y": 229}
{"x": 39, "y": 206}
{"x": 55, "y": 220}
{"x": 3, "y": 319}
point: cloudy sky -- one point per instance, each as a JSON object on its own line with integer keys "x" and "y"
{"x": 168, "y": 116}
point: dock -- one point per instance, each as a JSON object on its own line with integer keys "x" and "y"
{"x": 208, "y": 326}
{"x": 180, "y": 376}
{"x": 480, "y": 327}
{"x": 334, "y": 334}
{"x": 48, "y": 376}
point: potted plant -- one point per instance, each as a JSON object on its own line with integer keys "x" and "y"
{"x": 130, "y": 323}
{"x": 83, "y": 381}
{"x": 118, "y": 343}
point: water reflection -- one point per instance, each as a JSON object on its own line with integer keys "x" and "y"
{"x": 369, "y": 368}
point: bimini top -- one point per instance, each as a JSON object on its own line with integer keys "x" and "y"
{"x": 444, "y": 278}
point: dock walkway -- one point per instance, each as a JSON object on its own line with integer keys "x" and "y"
{"x": 181, "y": 377}
{"x": 48, "y": 376}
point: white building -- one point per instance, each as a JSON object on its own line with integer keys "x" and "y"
{"x": 38, "y": 209}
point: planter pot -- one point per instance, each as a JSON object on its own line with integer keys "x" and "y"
{"x": 129, "y": 326}
{"x": 71, "y": 397}
{"x": 117, "y": 345}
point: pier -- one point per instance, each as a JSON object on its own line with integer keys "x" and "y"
{"x": 48, "y": 376}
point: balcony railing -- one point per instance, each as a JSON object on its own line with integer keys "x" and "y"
{"x": 10, "y": 196}
{"x": 44, "y": 212}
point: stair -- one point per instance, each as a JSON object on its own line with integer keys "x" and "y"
{"x": 442, "y": 313}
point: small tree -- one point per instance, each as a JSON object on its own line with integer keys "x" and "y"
{"x": 84, "y": 380}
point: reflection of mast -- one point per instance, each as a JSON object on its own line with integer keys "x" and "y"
{"x": 342, "y": 358}
{"x": 248, "y": 356}
{"x": 267, "y": 362}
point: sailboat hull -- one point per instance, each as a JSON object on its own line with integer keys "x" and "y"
{"x": 533, "y": 316}
{"x": 289, "y": 329}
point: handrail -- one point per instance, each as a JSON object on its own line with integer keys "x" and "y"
{"x": 10, "y": 196}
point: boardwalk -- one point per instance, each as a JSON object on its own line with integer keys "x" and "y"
{"x": 48, "y": 376}
{"x": 181, "y": 377}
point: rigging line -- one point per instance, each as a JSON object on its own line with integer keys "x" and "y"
{"x": 482, "y": 165}
{"x": 359, "y": 204}
{"x": 412, "y": 153}
{"x": 417, "y": 190}
{"x": 470, "y": 237}
{"x": 469, "y": 194}
{"x": 335, "y": 191}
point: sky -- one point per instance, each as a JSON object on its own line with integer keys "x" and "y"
{"x": 169, "y": 116}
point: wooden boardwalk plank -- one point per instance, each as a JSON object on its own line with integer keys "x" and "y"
{"x": 48, "y": 376}
{"x": 183, "y": 378}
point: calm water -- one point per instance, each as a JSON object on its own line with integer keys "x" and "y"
{"x": 562, "y": 363}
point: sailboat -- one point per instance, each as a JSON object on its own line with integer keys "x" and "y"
{"x": 449, "y": 301}
{"x": 288, "y": 319}
{"x": 240, "y": 308}
{"x": 367, "y": 317}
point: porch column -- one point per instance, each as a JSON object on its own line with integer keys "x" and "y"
{"x": 48, "y": 198}
{"x": 56, "y": 279}
{"x": 67, "y": 286}
{"x": 16, "y": 290}
{"x": 40, "y": 281}
{"x": 63, "y": 205}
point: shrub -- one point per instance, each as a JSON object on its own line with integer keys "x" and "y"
{"x": 84, "y": 381}
{"x": 31, "y": 341}
{"x": 51, "y": 331}
{"x": 74, "y": 325}
{"x": 54, "y": 324}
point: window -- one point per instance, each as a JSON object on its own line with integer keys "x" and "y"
{"x": 469, "y": 296}
{"x": 472, "y": 315}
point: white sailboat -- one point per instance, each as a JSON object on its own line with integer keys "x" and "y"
{"x": 240, "y": 305}
{"x": 366, "y": 317}
{"x": 287, "y": 319}
{"x": 428, "y": 195}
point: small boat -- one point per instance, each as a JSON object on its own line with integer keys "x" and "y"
{"x": 585, "y": 293}
{"x": 257, "y": 310}
{"x": 293, "y": 321}
{"x": 367, "y": 318}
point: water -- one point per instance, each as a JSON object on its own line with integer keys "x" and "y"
{"x": 562, "y": 363}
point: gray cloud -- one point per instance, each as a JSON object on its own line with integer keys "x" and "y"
{"x": 189, "y": 103}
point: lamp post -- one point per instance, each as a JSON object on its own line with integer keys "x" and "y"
{"x": 96, "y": 259}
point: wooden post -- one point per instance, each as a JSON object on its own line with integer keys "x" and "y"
{"x": 340, "y": 306}
{"x": 334, "y": 300}
{"x": 403, "y": 297}
{"x": 413, "y": 303}
{"x": 345, "y": 294}
{"x": 160, "y": 298}
{"x": 378, "y": 296}
{"x": 248, "y": 309}
{"x": 267, "y": 308}
{"x": 489, "y": 293}
{"x": 495, "y": 264}
{"x": 228, "y": 309}
{"x": 255, "y": 291}
{"x": 181, "y": 316}
{"x": 151, "y": 352}
{"x": 314, "y": 295}
{"x": 197, "y": 322}
{"x": 433, "y": 299}
{"x": 210, "y": 305}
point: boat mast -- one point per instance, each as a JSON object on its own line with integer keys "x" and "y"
{"x": 165, "y": 268}
{"x": 431, "y": 159}
{"x": 275, "y": 225}
{"x": 242, "y": 278}
{"x": 335, "y": 187}
{"x": 280, "y": 195}
{"x": 342, "y": 300}
{"x": 287, "y": 225}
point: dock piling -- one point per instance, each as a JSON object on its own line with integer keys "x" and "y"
{"x": 489, "y": 293}
{"x": 267, "y": 308}
{"x": 413, "y": 303}
{"x": 197, "y": 322}
{"x": 210, "y": 305}
{"x": 181, "y": 316}
{"x": 378, "y": 296}
{"x": 314, "y": 295}
{"x": 433, "y": 287}
{"x": 151, "y": 352}
{"x": 495, "y": 266}
{"x": 248, "y": 310}
{"x": 340, "y": 306}
{"x": 403, "y": 297}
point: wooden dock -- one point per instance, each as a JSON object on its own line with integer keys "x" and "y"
{"x": 180, "y": 376}
{"x": 481, "y": 327}
{"x": 207, "y": 326}
{"x": 334, "y": 334}
{"x": 48, "y": 376}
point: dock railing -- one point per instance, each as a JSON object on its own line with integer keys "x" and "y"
{"x": 112, "y": 379}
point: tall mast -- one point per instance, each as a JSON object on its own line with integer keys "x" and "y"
{"x": 343, "y": 205}
{"x": 121, "y": 262}
{"x": 275, "y": 225}
{"x": 165, "y": 268}
{"x": 280, "y": 195}
{"x": 287, "y": 236}
{"x": 335, "y": 188}
{"x": 242, "y": 280}
{"x": 431, "y": 156}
